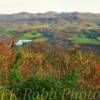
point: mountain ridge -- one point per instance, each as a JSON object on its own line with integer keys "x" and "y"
{"x": 48, "y": 17}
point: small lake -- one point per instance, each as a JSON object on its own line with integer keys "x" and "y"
{"x": 21, "y": 42}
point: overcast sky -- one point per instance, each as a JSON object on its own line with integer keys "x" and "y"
{"x": 33, "y": 6}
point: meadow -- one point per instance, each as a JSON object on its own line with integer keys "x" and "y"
{"x": 33, "y": 35}
{"x": 83, "y": 40}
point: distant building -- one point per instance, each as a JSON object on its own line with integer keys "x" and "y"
{"x": 21, "y": 42}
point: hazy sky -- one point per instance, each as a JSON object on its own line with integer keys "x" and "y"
{"x": 14, "y": 6}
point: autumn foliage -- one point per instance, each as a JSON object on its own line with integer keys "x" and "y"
{"x": 19, "y": 66}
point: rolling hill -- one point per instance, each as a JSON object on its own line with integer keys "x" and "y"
{"x": 48, "y": 17}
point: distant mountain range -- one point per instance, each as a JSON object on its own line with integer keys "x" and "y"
{"x": 48, "y": 17}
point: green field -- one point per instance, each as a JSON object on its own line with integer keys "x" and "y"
{"x": 82, "y": 40}
{"x": 40, "y": 39}
{"x": 7, "y": 33}
{"x": 31, "y": 35}
{"x": 34, "y": 35}
{"x": 98, "y": 38}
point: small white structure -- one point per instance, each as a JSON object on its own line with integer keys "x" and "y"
{"x": 21, "y": 42}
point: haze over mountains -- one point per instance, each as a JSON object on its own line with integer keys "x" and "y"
{"x": 48, "y": 17}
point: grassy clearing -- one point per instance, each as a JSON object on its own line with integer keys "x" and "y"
{"x": 7, "y": 33}
{"x": 40, "y": 39}
{"x": 82, "y": 40}
{"x": 98, "y": 38}
{"x": 34, "y": 35}
{"x": 31, "y": 35}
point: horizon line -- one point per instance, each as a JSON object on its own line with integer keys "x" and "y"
{"x": 43, "y": 12}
